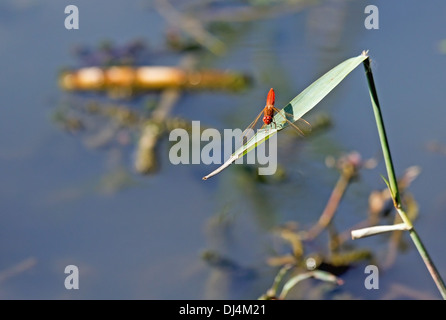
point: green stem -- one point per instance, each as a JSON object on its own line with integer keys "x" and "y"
{"x": 394, "y": 185}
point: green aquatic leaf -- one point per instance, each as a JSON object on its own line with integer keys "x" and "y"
{"x": 392, "y": 194}
{"x": 297, "y": 107}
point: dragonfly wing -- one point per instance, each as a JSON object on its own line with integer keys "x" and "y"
{"x": 250, "y": 129}
{"x": 300, "y": 125}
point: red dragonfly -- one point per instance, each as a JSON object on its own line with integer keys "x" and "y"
{"x": 268, "y": 117}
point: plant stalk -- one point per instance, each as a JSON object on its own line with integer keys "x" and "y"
{"x": 394, "y": 185}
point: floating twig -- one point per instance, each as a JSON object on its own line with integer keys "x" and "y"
{"x": 349, "y": 166}
{"x": 128, "y": 80}
{"x": 371, "y": 231}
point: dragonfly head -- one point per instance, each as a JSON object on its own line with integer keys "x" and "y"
{"x": 267, "y": 119}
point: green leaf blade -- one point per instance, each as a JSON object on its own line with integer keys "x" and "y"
{"x": 314, "y": 93}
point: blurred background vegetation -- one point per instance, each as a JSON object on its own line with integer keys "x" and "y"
{"x": 86, "y": 174}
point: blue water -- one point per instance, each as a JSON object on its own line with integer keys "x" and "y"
{"x": 144, "y": 241}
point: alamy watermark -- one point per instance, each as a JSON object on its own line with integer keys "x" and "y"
{"x": 372, "y": 280}
{"x": 188, "y": 148}
{"x": 72, "y": 280}
{"x": 72, "y": 20}
{"x": 372, "y": 20}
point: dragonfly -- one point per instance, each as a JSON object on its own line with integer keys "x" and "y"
{"x": 268, "y": 118}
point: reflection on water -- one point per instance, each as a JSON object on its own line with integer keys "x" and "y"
{"x": 76, "y": 189}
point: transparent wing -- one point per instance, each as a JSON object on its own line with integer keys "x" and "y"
{"x": 249, "y": 131}
{"x": 301, "y": 125}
